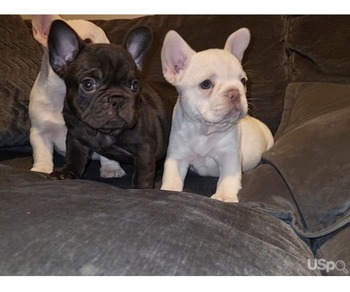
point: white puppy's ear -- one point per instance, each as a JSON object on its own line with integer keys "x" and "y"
{"x": 175, "y": 55}
{"x": 64, "y": 44}
{"x": 41, "y": 27}
{"x": 237, "y": 42}
{"x": 137, "y": 43}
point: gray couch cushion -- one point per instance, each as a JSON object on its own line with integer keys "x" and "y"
{"x": 333, "y": 254}
{"x": 81, "y": 227}
{"x": 305, "y": 178}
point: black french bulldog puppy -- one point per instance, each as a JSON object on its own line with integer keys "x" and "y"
{"x": 108, "y": 108}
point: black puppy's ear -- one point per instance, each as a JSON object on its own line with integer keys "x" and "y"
{"x": 64, "y": 44}
{"x": 138, "y": 42}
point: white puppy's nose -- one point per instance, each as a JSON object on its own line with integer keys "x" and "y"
{"x": 234, "y": 95}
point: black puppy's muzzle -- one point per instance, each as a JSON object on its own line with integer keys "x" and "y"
{"x": 116, "y": 101}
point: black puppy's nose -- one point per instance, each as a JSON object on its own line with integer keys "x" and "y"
{"x": 116, "y": 100}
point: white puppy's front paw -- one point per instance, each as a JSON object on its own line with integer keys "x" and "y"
{"x": 225, "y": 198}
{"x": 171, "y": 187}
{"x": 43, "y": 168}
{"x": 111, "y": 169}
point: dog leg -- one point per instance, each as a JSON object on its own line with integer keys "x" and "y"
{"x": 145, "y": 169}
{"x": 228, "y": 188}
{"x": 110, "y": 168}
{"x": 42, "y": 152}
{"x": 230, "y": 177}
{"x": 174, "y": 174}
{"x": 76, "y": 159}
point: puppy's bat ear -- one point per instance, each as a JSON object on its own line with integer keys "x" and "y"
{"x": 64, "y": 45}
{"x": 41, "y": 27}
{"x": 237, "y": 42}
{"x": 137, "y": 43}
{"x": 175, "y": 55}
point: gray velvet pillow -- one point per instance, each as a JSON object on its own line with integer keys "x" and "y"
{"x": 306, "y": 101}
{"x": 20, "y": 58}
{"x": 306, "y": 175}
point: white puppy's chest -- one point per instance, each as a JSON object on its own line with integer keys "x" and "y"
{"x": 204, "y": 146}
{"x": 200, "y": 147}
{"x": 196, "y": 141}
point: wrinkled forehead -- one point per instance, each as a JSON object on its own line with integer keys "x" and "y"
{"x": 87, "y": 30}
{"x": 104, "y": 62}
{"x": 215, "y": 63}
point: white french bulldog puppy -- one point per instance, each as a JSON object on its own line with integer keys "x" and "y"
{"x": 211, "y": 132}
{"x": 48, "y": 130}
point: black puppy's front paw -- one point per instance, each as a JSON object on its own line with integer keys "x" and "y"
{"x": 62, "y": 175}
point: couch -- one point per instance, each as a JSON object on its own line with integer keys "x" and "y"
{"x": 294, "y": 211}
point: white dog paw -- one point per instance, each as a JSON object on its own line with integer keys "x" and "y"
{"x": 111, "y": 170}
{"x": 172, "y": 186}
{"x": 43, "y": 169}
{"x": 225, "y": 198}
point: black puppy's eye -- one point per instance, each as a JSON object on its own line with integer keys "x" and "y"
{"x": 244, "y": 81}
{"x": 135, "y": 85}
{"x": 88, "y": 84}
{"x": 206, "y": 84}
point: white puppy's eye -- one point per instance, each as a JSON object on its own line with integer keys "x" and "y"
{"x": 206, "y": 84}
{"x": 88, "y": 84}
{"x": 244, "y": 81}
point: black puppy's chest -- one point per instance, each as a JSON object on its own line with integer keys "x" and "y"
{"x": 112, "y": 147}
{"x": 107, "y": 145}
